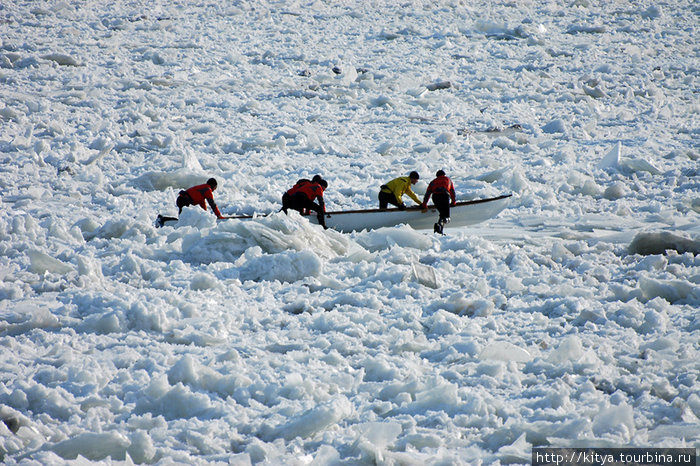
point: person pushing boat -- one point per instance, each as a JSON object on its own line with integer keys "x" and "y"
{"x": 392, "y": 192}
{"x": 196, "y": 195}
{"x": 302, "y": 195}
{"x": 443, "y": 191}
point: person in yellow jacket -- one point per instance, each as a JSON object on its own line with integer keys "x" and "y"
{"x": 392, "y": 192}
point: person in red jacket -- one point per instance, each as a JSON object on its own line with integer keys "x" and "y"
{"x": 443, "y": 192}
{"x": 196, "y": 195}
{"x": 302, "y": 195}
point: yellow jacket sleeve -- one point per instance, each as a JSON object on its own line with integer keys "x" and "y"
{"x": 411, "y": 194}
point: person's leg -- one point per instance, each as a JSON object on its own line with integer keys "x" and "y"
{"x": 183, "y": 200}
{"x": 297, "y": 202}
{"x": 161, "y": 220}
{"x": 442, "y": 203}
{"x": 180, "y": 202}
{"x": 387, "y": 198}
{"x": 285, "y": 202}
{"x": 383, "y": 202}
{"x": 320, "y": 215}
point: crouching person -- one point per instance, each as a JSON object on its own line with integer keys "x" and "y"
{"x": 301, "y": 198}
{"x": 196, "y": 195}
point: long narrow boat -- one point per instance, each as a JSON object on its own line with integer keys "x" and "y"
{"x": 465, "y": 213}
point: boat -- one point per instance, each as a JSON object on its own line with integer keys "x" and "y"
{"x": 464, "y": 213}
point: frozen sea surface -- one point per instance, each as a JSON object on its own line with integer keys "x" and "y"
{"x": 571, "y": 319}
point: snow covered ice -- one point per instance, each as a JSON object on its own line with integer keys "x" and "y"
{"x": 571, "y": 319}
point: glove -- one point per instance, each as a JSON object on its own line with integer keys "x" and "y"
{"x": 423, "y": 205}
{"x": 453, "y": 204}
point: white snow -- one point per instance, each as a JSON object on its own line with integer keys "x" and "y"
{"x": 571, "y": 319}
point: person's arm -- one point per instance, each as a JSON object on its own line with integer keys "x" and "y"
{"x": 319, "y": 195}
{"x": 209, "y": 196}
{"x": 453, "y": 195}
{"x": 321, "y": 208}
{"x": 214, "y": 207}
{"x": 426, "y": 198}
{"x": 411, "y": 194}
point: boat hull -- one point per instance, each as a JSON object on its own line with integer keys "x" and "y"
{"x": 465, "y": 213}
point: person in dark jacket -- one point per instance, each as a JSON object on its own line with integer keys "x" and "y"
{"x": 196, "y": 195}
{"x": 443, "y": 191}
{"x": 302, "y": 195}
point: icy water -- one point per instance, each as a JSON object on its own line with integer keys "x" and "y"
{"x": 570, "y": 319}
